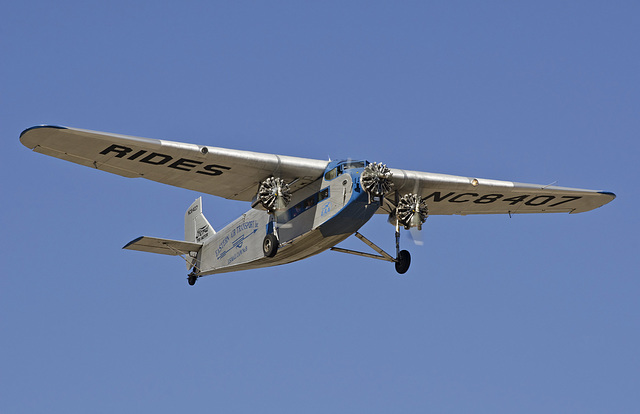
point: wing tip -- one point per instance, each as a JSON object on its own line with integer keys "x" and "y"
{"x": 133, "y": 241}
{"x": 608, "y": 197}
{"x": 609, "y": 193}
{"x": 40, "y": 127}
{"x": 31, "y": 145}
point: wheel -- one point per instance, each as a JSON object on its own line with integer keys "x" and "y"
{"x": 270, "y": 245}
{"x": 403, "y": 261}
{"x": 192, "y": 278}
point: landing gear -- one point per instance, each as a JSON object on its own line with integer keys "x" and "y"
{"x": 403, "y": 261}
{"x": 192, "y": 278}
{"x": 270, "y": 245}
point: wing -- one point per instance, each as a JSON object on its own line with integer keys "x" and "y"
{"x": 231, "y": 174}
{"x": 450, "y": 194}
{"x": 236, "y": 174}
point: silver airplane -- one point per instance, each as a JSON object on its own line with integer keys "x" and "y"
{"x": 299, "y": 206}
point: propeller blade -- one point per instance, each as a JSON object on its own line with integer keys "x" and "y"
{"x": 416, "y": 236}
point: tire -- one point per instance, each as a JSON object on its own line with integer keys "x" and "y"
{"x": 403, "y": 262}
{"x": 192, "y": 279}
{"x": 270, "y": 245}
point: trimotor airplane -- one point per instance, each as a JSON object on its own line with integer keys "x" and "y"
{"x": 299, "y": 207}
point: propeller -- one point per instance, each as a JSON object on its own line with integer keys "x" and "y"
{"x": 411, "y": 211}
{"x": 274, "y": 194}
{"x": 416, "y": 236}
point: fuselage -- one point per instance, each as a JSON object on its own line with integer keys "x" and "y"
{"x": 319, "y": 216}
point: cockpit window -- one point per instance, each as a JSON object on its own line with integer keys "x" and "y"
{"x": 331, "y": 174}
{"x": 353, "y": 164}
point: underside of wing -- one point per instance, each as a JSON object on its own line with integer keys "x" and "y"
{"x": 236, "y": 175}
{"x": 231, "y": 174}
{"x": 449, "y": 194}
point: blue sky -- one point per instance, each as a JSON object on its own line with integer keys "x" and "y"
{"x": 530, "y": 314}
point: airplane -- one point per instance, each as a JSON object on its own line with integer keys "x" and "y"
{"x": 299, "y": 207}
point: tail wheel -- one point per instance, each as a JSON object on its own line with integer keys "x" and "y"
{"x": 270, "y": 245}
{"x": 403, "y": 261}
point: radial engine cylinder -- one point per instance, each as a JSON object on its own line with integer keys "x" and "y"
{"x": 412, "y": 211}
{"x": 274, "y": 194}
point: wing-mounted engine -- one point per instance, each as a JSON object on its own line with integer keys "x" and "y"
{"x": 411, "y": 211}
{"x": 274, "y": 194}
{"x": 376, "y": 180}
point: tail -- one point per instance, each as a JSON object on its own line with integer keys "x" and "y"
{"x": 196, "y": 227}
{"x": 197, "y": 231}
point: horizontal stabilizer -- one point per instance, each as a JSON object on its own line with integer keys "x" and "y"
{"x": 162, "y": 246}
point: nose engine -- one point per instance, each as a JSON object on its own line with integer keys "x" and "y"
{"x": 376, "y": 179}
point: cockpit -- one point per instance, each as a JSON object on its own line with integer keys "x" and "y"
{"x": 342, "y": 166}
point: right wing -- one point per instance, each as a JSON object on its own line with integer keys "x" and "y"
{"x": 227, "y": 173}
{"x": 451, "y": 194}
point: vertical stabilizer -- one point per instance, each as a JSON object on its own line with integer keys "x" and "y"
{"x": 196, "y": 227}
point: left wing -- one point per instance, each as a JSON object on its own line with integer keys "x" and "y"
{"x": 231, "y": 174}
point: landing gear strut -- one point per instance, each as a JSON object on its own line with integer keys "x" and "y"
{"x": 403, "y": 257}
